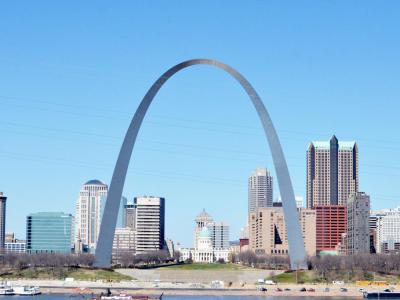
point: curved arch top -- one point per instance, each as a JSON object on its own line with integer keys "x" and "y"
{"x": 297, "y": 252}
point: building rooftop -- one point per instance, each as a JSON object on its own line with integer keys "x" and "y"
{"x": 325, "y": 145}
{"x": 94, "y": 182}
{"x": 204, "y": 216}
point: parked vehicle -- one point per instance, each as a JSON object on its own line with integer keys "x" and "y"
{"x": 311, "y": 290}
{"x": 344, "y": 290}
{"x": 303, "y": 289}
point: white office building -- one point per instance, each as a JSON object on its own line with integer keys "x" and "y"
{"x": 150, "y": 223}
{"x": 17, "y": 246}
{"x": 387, "y": 230}
{"x": 88, "y": 214}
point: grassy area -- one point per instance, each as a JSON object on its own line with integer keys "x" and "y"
{"x": 86, "y": 274}
{"x": 312, "y": 277}
{"x": 207, "y": 267}
{"x": 62, "y": 273}
{"x": 290, "y": 277}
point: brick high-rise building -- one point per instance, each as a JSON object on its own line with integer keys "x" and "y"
{"x": 331, "y": 223}
{"x": 332, "y": 172}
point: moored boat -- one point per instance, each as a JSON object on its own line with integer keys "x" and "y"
{"x": 27, "y": 290}
{"x": 6, "y": 289}
{"x": 382, "y": 295}
{"x": 122, "y": 296}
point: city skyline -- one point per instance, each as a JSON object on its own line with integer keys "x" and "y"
{"x": 59, "y": 130}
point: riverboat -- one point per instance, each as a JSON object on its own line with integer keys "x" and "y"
{"x": 110, "y": 296}
{"x": 382, "y": 295}
{"x": 6, "y": 289}
{"x": 27, "y": 290}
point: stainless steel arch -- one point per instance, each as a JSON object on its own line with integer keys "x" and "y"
{"x": 295, "y": 240}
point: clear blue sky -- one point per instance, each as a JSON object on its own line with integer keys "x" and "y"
{"x": 72, "y": 74}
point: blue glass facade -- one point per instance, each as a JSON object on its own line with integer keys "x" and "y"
{"x": 49, "y": 232}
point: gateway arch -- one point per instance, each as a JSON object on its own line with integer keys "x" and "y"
{"x": 297, "y": 252}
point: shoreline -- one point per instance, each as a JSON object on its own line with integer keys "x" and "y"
{"x": 173, "y": 289}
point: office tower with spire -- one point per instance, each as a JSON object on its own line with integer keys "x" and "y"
{"x": 260, "y": 192}
{"x": 332, "y": 172}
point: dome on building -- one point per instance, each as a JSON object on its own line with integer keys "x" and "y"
{"x": 205, "y": 233}
{"x": 94, "y": 182}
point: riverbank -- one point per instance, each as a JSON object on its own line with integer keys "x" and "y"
{"x": 185, "y": 289}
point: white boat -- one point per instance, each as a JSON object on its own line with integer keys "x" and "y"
{"x": 27, "y": 290}
{"x": 6, "y": 289}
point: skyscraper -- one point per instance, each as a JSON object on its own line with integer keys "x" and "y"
{"x": 49, "y": 232}
{"x": 358, "y": 211}
{"x": 150, "y": 223}
{"x": 3, "y": 200}
{"x": 88, "y": 213}
{"x": 332, "y": 172}
{"x": 260, "y": 190}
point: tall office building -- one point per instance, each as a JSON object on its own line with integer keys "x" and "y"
{"x": 49, "y": 232}
{"x": 332, "y": 172}
{"x": 88, "y": 213}
{"x": 358, "y": 235}
{"x": 260, "y": 191}
{"x": 3, "y": 200}
{"x": 150, "y": 223}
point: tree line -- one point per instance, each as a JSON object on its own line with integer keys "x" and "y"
{"x": 24, "y": 260}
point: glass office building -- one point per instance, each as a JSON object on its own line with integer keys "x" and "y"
{"x": 49, "y": 232}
